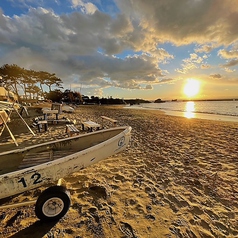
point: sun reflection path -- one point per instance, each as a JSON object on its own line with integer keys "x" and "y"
{"x": 189, "y": 110}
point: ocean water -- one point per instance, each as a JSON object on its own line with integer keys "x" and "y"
{"x": 215, "y": 110}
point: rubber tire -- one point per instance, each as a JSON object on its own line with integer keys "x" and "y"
{"x": 59, "y": 193}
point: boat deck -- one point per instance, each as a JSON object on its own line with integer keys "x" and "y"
{"x": 43, "y": 157}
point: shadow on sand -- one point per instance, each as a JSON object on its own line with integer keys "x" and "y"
{"x": 37, "y": 230}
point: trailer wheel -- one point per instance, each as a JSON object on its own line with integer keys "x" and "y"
{"x": 53, "y": 203}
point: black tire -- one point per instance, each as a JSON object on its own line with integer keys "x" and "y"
{"x": 52, "y": 204}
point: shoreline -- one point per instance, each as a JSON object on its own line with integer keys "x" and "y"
{"x": 191, "y": 115}
{"x": 178, "y": 178}
{"x": 206, "y": 116}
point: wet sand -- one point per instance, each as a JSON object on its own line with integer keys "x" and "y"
{"x": 178, "y": 178}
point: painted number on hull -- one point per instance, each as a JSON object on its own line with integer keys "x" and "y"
{"x": 36, "y": 179}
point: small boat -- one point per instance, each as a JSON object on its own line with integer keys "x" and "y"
{"x": 30, "y": 167}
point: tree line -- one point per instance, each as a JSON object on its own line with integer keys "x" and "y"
{"x": 38, "y": 84}
{"x": 31, "y": 83}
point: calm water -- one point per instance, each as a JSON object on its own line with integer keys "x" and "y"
{"x": 218, "y": 110}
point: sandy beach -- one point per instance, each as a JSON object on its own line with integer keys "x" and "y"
{"x": 178, "y": 178}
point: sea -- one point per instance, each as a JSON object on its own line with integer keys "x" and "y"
{"x": 212, "y": 110}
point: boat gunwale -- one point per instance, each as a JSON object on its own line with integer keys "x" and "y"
{"x": 21, "y": 150}
{"x": 69, "y": 157}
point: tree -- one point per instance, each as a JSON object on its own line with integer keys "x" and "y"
{"x": 29, "y": 84}
{"x": 40, "y": 77}
{"x": 78, "y": 97}
{"x": 54, "y": 96}
{"x": 14, "y": 78}
{"x": 11, "y": 77}
{"x": 72, "y": 97}
{"x": 33, "y": 91}
{"x": 51, "y": 80}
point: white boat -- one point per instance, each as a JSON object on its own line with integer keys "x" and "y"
{"x": 37, "y": 165}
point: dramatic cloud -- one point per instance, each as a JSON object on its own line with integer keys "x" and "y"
{"x": 124, "y": 47}
{"x": 42, "y": 39}
{"x": 189, "y": 21}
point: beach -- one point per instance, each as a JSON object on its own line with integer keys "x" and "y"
{"x": 178, "y": 178}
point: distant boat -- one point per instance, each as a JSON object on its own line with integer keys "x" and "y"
{"x": 174, "y": 100}
{"x": 38, "y": 165}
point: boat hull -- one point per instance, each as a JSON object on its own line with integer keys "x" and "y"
{"x": 107, "y": 142}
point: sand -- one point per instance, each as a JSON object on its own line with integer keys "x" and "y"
{"x": 178, "y": 178}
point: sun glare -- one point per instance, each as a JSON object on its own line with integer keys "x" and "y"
{"x": 191, "y": 88}
{"x": 189, "y": 110}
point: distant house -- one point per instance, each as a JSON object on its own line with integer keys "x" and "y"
{"x": 3, "y": 94}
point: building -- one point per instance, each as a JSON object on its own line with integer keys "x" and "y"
{"x": 7, "y": 96}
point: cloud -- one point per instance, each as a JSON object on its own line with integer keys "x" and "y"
{"x": 187, "y": 22}
{"x": 228, "y": 54}
{"x": 228, "y": 70}
{"x": 86, "y": 7}
{"x": 223, "y": 79}
{"x": 4, "y": 29}
{"x": 162, "y": 55}
{"x": 167, "y": 80}
{"x": 149, "y": 87}
{"x": 123, "y": 73}
{"x": 83, "y": 44}
{"x": 215, "y": 76}
{"x": 69, "y": 44}
{"x": 232, "y": 54}
{"x": 204, "y": 48}
{"x": 231, "y": 63}
{"x": 190, "y": 63}
{"x": 205, "y": 66}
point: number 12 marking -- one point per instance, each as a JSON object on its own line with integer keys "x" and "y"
{"x": 36, "y": 177}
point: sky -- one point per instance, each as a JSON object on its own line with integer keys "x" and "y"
{"x": 126, "y": 48}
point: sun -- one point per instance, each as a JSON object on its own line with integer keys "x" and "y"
{"x": 191, "y": 88}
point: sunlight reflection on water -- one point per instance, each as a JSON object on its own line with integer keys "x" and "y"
{"x": 189, "y": 110}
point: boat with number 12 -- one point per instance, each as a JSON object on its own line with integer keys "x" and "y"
{"x": 27, "y": 168}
